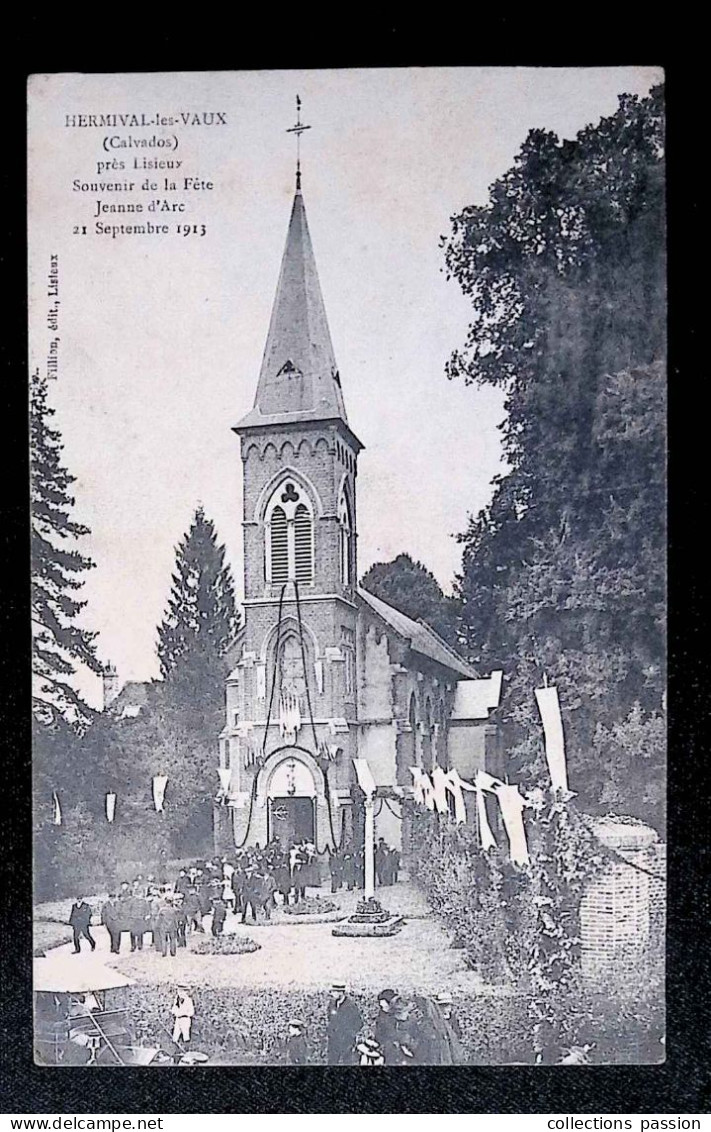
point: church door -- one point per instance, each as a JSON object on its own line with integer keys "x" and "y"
{"x": 292, "y": 820}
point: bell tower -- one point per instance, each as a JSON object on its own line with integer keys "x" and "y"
{"x": 292, "y": 697}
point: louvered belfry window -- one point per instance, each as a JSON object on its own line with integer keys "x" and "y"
{"x": 290, "y": 536}
{"x": 303, "y": 545}
{"x": 280, "y": 547}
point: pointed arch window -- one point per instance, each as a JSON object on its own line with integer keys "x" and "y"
{"x": 345, "y": 535}
{"x": 289, "y": 536}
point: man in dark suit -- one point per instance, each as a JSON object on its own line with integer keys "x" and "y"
{"x": 343, "y": 1023}
{"x": 79, "y": 921}
{"x": 110, "y": 918}
{"x": 167, "y": 928}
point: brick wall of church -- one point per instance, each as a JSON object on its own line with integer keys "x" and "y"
{"x": 320, "y": 455}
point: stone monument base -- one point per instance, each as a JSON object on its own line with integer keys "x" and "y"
{"x": 369, "y": 919}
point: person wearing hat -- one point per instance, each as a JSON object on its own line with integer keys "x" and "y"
{"x": 183, "y": 1011}
{"x": 449, "y": 1031}
{"x": 386, "y": 1026}
{"x": 370, "y": 1052}
{"x": 219, "y": 913}
{"x": 80, "y": 922}
{"x": 296, "y": 1047}
{"x": 343, "y": 1023}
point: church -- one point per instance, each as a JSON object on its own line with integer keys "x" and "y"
{"x": 325, "y": 671}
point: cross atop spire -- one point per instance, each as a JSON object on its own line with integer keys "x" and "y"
{"x": 298, "y": 130}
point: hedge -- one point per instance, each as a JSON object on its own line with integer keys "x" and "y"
{"x": 623, "y": 1026}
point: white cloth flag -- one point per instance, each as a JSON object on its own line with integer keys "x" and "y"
{"x": 549, "y": 707}
{"x": 225, "y": 775}
{"x": 110, "y": 806}
{"x": 456, "y": 786}
{"x": 422, "y": 787}
{"x": 439, "y": 783}
{"x": 160, "y": 782}
{"x": 488, "y": 841}
{"x": 57, "y": 819}
{"x": 512, "y": 805}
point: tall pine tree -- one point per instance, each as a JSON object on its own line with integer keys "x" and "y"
{"x": 201, "y": 621}
{"x": 59, "y": 644}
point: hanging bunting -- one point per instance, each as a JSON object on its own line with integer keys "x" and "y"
{"x": 512, "y": 805}
{"x": 439, "y": 783}
{"x": 549, "y": 707}
{"x": 289, "y": 716}
{"x": 422, "y": 787}
{"x": 225, "y": 775}
{"x": 159, "y": 784}
{"x": 486, "y": 781}
{"x": 488, "y": 841}
{"x": 57, "y": 819}
{"x": 418, "y": 789}
{"x": 456, "y": 786}
{"x": 110, "y": 806}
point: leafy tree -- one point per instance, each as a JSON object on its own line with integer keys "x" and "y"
{"x": 201, "y": 621}
{"x": 563, "y": 573}
{"x": 411, "y": 588}
{"x": 59, "y": 644}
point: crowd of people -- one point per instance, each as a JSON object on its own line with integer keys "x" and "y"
{"x": 249, "y": 883}
{"x": 407, "y": 1031}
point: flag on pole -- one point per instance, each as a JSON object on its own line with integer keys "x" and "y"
{"x": 159, "y": 784}
{"x": 488, "y": 841}
{"x": 225, "y": 775}
{"x": 57, "y": 819}
{"x": 512, "y": 805}
{"x": 110, "y": 806}
{"x": 549, "y": 707}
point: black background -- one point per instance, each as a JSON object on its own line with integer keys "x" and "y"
{"x": 308, "y": 38}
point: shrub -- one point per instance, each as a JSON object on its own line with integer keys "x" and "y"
{"x": 232, "y": 944}
{"x": 311, "y": 906}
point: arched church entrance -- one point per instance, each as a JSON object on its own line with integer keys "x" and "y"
{"x": 291, "y": 801}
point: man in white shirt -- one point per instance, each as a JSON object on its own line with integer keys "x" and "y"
{"x": 183, "y": 1010}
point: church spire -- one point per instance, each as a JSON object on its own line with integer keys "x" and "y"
{"x": 299, "y": 379}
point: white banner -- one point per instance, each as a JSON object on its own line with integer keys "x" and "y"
{"x": 422, "y": 786}
{"x": 549, "y": 707}
{"x": 440, "y": 784}
{"x": 160, "y": 782}
{"x": 488, "y": 841}
{"x": 225, "y": 775}
{"x": 512, "y": 805}
{"x": 110, "y": 806}
{"x": 57, "y": 819}
{"x": 456, "y": 785}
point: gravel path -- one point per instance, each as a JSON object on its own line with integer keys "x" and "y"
{"x": 309, "y": 956}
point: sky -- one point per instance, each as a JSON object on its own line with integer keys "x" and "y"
{"x": 161, "y": 336}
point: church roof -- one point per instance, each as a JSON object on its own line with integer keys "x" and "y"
{"x": 299, "y": 379}
{"x": 422, "y": 639}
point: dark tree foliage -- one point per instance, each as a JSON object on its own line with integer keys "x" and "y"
{"x": 413, "y": 590}
{"x": 201, "y": 621}
{"x": 564, "y": 572}
{"x": 59, "y": 643}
